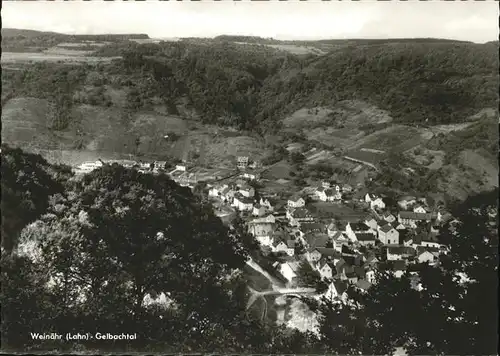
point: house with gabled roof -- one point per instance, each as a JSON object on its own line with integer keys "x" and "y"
{"x": 371, "y": 223}
{"x": 405, "y": 202}
{"x": 296, "y": 201}
{"x": 397, "y": 252}
{"x": 387, "y": 216}
{"x": 399, "y": 268}
{"x": 258, "y": 210}
{"x": 288, "y": 270}
{"x": 336, "y": 291}
{"x": 352, "y": 229}
{"x": 266, "y": 203}
{"x": 298, "y": 216}
{"x": 312, "y": 227}
{"x": 366, "y": 239}
{"x": 326, "y": 268}
{"x": 409, "y": 218}
{"x": 242, "y": 202}
{"x": 363, "y": 285}
{"x": 388, "y": 235}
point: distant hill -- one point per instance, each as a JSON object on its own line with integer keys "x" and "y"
{"x": 20, "y": 40}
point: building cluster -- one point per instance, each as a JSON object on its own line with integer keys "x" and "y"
{"x": 392, "y": 237}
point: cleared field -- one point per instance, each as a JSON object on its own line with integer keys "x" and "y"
{"x": 26, "y": 57}
{"x": 370, "y": 157}
{"x": 280, "y": 170}
{"x": 397, "y": 137}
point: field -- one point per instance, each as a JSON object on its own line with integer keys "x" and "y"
{"x": 280, "y": 170}
{"x": 69, "y": 57}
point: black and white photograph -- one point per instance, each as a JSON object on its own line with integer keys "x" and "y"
{"x": 249, "y": 177}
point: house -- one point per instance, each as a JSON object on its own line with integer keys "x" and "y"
{"x": 398, "y": 226}
{"x": 328, "y": 252}
{"x": 216, "y": 191}
{"x": 262, "y": 229}
{"x": 420, "y": 209}
{"x": 325, "y": 184}
{"x": 289, "y": 270}
{"x": 227, "y": 194}
{"x": 258, "y": 210}
{"x": 352, "y": 277}
{"x": 346, "y": 188}
{"x": 328, "y": 194}
{"x": 409, "y": 218}
{"x": 387, "y": 216}
{"x": 335, "y": 228}
{"x": 395, "y": 253}
{"x": 426, "y": 239}
{"x": 363, "y": 285}
{"x": 296, "y": 201}
{"x": 266, "y": 203}
{"x": 336, "y": 291}
{"x": 306, "y": 227}
{"x": 366, "y": 239}
{"x": 181, "y": 168}
{"x": 406, "y": 202}
{"x": 425, "y": 256}
{"x": 377, "y": 203}
{"x": 247, "y": 191}
{"x": 279, "y": 246}
{"x": 405, "y": 238}
{"x": 353, "y": 229}
{"x": 370, "y": 276}
{"x": 398, "y": 268}
{"x": 250, "y": 175}
{"x": 347, "y": 251}
{"x": 313, "y": 255}
{"x": 242, "y": 203}
{"x": 372, "y": 223}
{"x": 326, "y": 269}
{"x": 242, "y": 162}
{"x": 298, "y": 216}
{"x": 388, "y": 235}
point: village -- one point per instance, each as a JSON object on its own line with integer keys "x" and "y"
{"x": 341, "y": 250}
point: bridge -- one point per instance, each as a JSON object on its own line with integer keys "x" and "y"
{"x": 295, "y": 292}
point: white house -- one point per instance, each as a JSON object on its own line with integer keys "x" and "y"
{"x": 355, "y": 228}
{"x": 420, "y": 209}
{"x": 258, "y": 210}
{"x": 336, "y": 291}
{"x": 296, "y": 202}
{"x": 377, "y": 203}
{"x": 326, "y": 269}
{"x": 366, "y": 239}
{"x": 242, "y": 162}
{"x": 247, "y": 191}
{"x": 313, "y": 255}
{"x": 181, "y": 168}
{"x": 89, "y": 166}
{"x": 372, "y": 223}
{"x": 426, "y": 257}
{"x": 406, "y": 202}
{"x": 266, "y": 203}
{"x": 242, "y": 203}
{"x": 216, "y": 191}
{"x": 395, "y": 253}
{"x": 370, "y": 276}
{"x": 250, "y": 175}
{"x": 289, "y": 270}
{"x": 388, "y": 235}
{"x": 389, "y": 217}
{"x": 297, "y": 216}
{"x": 409, "y": 218}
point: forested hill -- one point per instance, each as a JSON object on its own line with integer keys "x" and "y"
{"x": 254, "y": 87}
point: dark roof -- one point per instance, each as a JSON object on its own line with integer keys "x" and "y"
{"x": 421, "y": 249}
{"x": 349, "y": 260}
{"x": 359, "y": 227}
{"x": 295, "y": 197}
{"x": 415, "y": 216}
{"x": 363, "y": 284}
{"x": 400, "y": 250}
{"x": 347, "y": 250}
{"x": 340, "y": 286}
{"x": 308, "y": 227}
{"x": 364, "y": 236}
{"x": 290, "y": 243}
{"x": 243, "y": 198}
{"x": 327, "y": 251}
{"x": 351, "y": 274}
{"x": 386, "y": 228}
{"x": 301, "y": 213}
{"x": 399, "y": 265}
{"x": 360, "y": 271}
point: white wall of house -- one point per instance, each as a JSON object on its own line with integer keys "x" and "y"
{"x": 287, "y": 272}
{"x": 426, "y": 257}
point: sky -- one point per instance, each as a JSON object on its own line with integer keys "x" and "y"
{"x": 464, "y": 20}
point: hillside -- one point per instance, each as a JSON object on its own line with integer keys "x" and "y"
{"x": 358, "y": 95}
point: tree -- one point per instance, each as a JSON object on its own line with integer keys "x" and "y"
{"x": 306, "y": 276}
{"x": 445, "y": 317}
{"x": 124, "y": 234}
{"x": 27, "y": 183}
